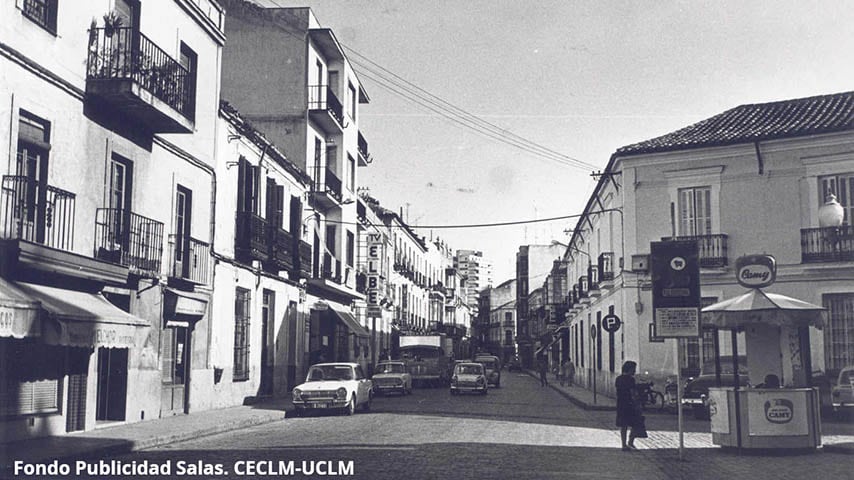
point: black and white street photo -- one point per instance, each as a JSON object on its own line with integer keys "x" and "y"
{"x": 384, "y": 239}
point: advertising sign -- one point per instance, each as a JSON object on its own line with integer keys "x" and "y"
{"x": 756, "y": 271}
{"x": 777, "y": 413}
{"x": 675, "y": 271}
{"x": 719, "y": 410}
{"x": 375, "y": 267}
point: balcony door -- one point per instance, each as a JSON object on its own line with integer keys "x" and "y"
{"x": 128, "y": 11}
{"x": 183, "y": 220}
{"x": 695, "y": 211}
{"x": 30, "y": 181}
{"x": 120, "y": 195}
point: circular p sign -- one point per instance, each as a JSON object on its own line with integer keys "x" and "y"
{"x": 611, "y": 323}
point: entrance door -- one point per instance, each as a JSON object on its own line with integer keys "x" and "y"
{"x": 175, "y": 369}
{"x": 78, "y": 368}
{"x": 268, "y": 316}
{"x": 112, "y": 384}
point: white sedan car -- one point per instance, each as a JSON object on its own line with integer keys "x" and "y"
{"x": 334, "y": 386}
{"x": 468, "y": 377}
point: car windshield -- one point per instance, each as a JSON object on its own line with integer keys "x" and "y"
{"x": 845, "y": 377}
{"x": 391, "y": 368}
{"x": 488, "y": 364}
{"x": 330, "y": 372}
{"x": 469, "y": 369}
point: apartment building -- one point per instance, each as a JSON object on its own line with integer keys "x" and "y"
{"x": 106, "y": 209}
{"x": 305, "y": 96}
{"x": 752, "y": 179}
{"x": 477, "y": 271}
{"x": 497, "y": 330}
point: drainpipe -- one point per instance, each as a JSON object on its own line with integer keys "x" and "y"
{"x": 759, "y": 158}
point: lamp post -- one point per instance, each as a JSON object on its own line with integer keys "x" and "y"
{"x": 830, "y": 217}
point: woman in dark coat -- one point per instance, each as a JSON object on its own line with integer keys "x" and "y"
{"x": 627, "y": 411}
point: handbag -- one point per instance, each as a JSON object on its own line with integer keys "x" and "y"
{"x": 639, "y": 427}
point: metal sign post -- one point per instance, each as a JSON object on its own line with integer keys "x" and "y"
{"x": 679, "y": 400}
{"x": 593, "y": 361}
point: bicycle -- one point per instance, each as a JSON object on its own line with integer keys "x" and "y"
{"x": 649, "y": 397}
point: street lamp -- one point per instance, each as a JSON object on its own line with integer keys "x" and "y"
{"x": 830, "y": 216}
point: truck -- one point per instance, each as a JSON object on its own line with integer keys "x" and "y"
{"x": 427, "y": 358}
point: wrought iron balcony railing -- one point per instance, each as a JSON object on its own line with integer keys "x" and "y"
{"x": 331, "y": 268}
{"x": 304, "y": 257}
{"x": 37, "y": 213}
{"x": 282, "y": 254}
{"x": 712, "y": 249}
{"x": 606, "y": 266}
{"x": 362, "y": 147}
{"x": 128, "y": 239}
{"x": 321, "y": 98}
{"x": 828, "y": 244}
{"x": 252, "y": 239}
{"x": 190, "y": 259}
{"x": 125, "y": 54}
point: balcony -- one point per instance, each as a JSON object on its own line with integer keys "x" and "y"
{"x": 325, "y": 109}
{"x": 37, "y": 213}
{"x": 582, "y": 290}
{"x": 128, "y": 239}
{"x": 282, "y": 255}
{"x": 128, "y": 71}
{"x": 606, "y": 270}
{"x": 712, "y": 249}
{"x": 593, "y": 276}
{"x": 251, "y": 241}
{"x": 362, "y": 147}
{"x": 331, "y": 268}
{"x": 189, "y": 259}
{"x": 326, "y": 190}
{"x": 304, "y": 259}
{"x": 828, "y": 244}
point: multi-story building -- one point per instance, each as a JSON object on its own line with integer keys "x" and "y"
{"x": 477, "y": 271}
{"x": 749, "y": 180}
{"x": 373, "y": 233}
{"x": 533, "y": 263}
{"x": 305, "y": 96}
{"x": 262, "y": 256}
{"x": 106, "y": 209}
{"x": 501, "y": 329}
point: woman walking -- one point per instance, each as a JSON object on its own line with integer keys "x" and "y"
{"x": 627, "y": 411}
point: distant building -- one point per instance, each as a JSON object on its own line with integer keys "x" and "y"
{"x": 477, "y": 272}
{"x": 533, "y": 263}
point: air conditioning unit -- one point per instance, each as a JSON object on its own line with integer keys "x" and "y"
{"x": 640, "y": 263}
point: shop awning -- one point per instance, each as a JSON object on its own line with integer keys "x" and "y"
{"x": 348, "y": 320}
{"x": 757, "y": 306}
{"x": 183, "y": 307}
{"x": 81, "y": 319}
{"x": 18, "y": 312}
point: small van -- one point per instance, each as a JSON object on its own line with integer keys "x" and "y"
{"x": 492, "y": 365}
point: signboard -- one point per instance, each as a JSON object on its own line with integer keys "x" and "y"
{"x": 756, "y": 271}
{"x": 780, "y": 413}
{"x": 611, "y": 323}
{"x": 19, "y": 322}
{"x": 373, "y": 274}
{"x": 719, "y": 410}
{"x": 675, "y": 288}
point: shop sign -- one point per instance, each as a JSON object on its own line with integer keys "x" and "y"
{"x": 373, "y": 274}
{"x": 778, "y": 413}
{"x": 18, "y": 322}
{"x": 756, "y": 271}
{"x": 675, "y": 270}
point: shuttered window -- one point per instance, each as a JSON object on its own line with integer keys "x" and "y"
{"x": 842, "y": 186}
{"x": 695, "y": 211}
{"x": 839, "y": 332}
{"x": 30, "y": 378}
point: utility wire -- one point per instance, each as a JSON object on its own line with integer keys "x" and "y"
{"x": 478, "y": 225}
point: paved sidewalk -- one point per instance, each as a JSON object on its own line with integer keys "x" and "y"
{"x": 128, "y": 437}
{"x": 580, "y": 396}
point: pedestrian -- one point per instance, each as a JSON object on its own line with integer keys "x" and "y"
{"x": 543, "y": 367}
{"x": 570, "y": 372}
{"x": 627, "y": 410}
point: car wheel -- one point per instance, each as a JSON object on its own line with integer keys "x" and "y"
{"x": 298, "y": 412}
{"x": 367, "y": 406}
{"x": 350, "y": 408}
{"x": 408, "y": 390}
{"x": 485, "y": 391}
{"x": 453, "y": 392}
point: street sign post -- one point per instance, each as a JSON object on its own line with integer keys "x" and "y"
{"x": 611, "y": 323}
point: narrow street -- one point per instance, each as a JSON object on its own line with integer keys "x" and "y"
{"x": 520, "y": 430}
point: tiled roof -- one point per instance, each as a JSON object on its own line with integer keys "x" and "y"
{"x": 762, "y": 121}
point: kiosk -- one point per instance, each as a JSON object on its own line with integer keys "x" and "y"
{"x": 784, "y": 414}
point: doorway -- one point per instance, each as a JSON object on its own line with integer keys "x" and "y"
{"x": 112, "y": 384}
{"x": 175, "y": 348}
{"x": 268, "y": 316}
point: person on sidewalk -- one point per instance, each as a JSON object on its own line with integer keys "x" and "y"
{"x": 561, "y": 373}
{"x": 627, "y": 411}
{"x": 543, "y": 368}
{"x": 570, "y": 372}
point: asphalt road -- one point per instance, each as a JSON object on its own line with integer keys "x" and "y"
{"x": 520, "y": 430}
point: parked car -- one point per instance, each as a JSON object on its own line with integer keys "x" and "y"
{"x": 391, "y": 376}
{"x": 468, "y": 377}
{"x": 514, "y": 365}
{"x": 334, "y": 386}
{"x": 695, "y": 395}
{"x": 492, "y": 364}
{"x": 842, "y": 395}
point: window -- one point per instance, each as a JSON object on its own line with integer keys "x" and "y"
{"x": 248, "y": 186}
{"x": 189, "y": 60}
{"x": 42, "y": 13}
{"x": 351, "y": 172}
{"x": 839, "y": 332}
{"x": 30, "y": 211}
{"x": 695, "y": 211}
{"x": 351, "y": 249}
{"x": 842, "y": 186}
{"x": 351, "y": 93}
{"x": 241, "y": 335}
{"x": 30, "y": 378}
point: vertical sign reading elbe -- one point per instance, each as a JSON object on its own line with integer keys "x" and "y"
{"x": 675, "y": 271}
{"x": 374, "y": 274}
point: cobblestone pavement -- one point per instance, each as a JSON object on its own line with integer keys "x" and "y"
{"x": 518, "y": 431}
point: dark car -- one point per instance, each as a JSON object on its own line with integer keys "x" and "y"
{"x": 514, "y": 365}
{"x": 696, "y": 392}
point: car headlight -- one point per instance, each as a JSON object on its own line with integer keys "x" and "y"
{"x": 454, "y": 379}
{"x": 297, "y": 394}
{"x": 341, "y": 393}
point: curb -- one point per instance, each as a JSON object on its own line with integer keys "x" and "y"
{"x": 575, "y": 401}
{"x": 843, "y": 448}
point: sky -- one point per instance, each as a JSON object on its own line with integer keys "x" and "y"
{"x": 578, "y": 78}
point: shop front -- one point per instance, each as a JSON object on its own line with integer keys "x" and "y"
{"x": 181, "y": 311}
